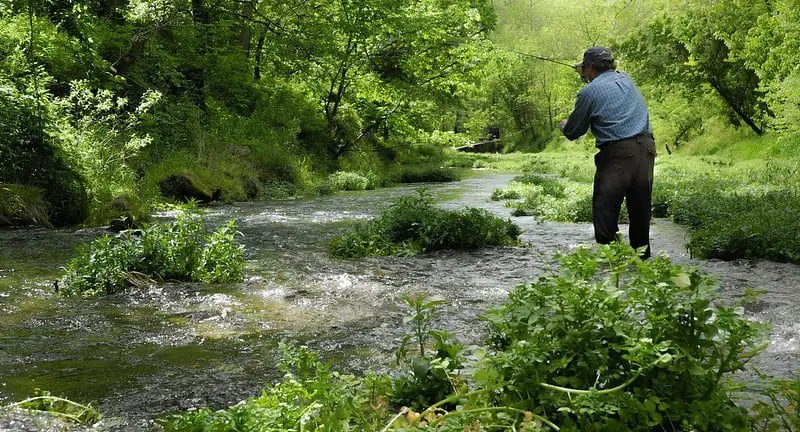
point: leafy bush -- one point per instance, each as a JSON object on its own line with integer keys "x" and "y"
{"x": 182, "y": 250}
{"x": 32, "y": 158}
{"x": 779, "y": 409}
{"x": 505, "y": 194}
{"x": 432, "y": 360}
{"x": 616, "y": 343}
{"x": 608, "y": 343}
{"x": 348, "y": 181}
{"x": 572, "y": 203}
{"x": 735, "y": 214}
{"x": 414, "y": 224}
{"x": 550, "y": 186}
{"x": 98, "y": 131}
{"x": 428, "y": 174}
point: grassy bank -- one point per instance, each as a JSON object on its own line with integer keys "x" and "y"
{"x": 738, "y": 194}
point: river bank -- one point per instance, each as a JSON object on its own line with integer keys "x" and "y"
{"x": 171, "y": 347}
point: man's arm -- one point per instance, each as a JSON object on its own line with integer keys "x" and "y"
{"x": 578, "y": 122}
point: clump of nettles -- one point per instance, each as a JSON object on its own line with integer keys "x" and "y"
{"x": 615, "y": 343}
{"x": 414, "y": 224}
{"x": 181, "y": 251}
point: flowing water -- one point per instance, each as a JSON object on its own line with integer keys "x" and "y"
{"x": 169, "y": 347}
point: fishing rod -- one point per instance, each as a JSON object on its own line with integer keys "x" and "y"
{"x": 571, "y": 66}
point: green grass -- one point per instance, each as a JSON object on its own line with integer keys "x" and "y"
{"x": 739, "y": 194}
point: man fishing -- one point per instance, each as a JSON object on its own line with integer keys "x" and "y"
{"x": 615, "y": 111}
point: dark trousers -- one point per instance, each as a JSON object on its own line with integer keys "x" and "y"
{"x": 624, "y": 170}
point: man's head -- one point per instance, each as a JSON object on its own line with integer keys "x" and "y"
{"x": 596, "y": 60}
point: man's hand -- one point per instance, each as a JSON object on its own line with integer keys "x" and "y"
{"x": 561, "y": 124}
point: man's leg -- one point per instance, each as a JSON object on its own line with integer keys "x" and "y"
{"x": 610, "y": 184}
{"x": 639, "y": 195}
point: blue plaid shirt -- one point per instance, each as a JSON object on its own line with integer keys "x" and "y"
{"x": 612, "y": 106}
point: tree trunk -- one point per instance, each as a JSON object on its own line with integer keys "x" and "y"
{"x": 199, "y": 12}
{"x": 736, "y": 108}
{"x": 245, "y": 33}
{"x": 195, "y": 73}
{"x": 259, "y": 54}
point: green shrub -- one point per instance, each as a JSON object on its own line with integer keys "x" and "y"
{"x": 550, "y": 186}
{"x": 747, "y": 226}
{"x": 349, "y": 181}
{"x": 428, "y": 174}
{"x": 609, "y": 343}
{"x": 182, "y": 250}
{"x": 732, "y": 216}
{"x": 32, "y": 158}
{"x": 277, "y": 189}
{"x": 572, "y": 203}
{"x": 506, "y": 194}
{"x": 616, "y": 343}
{"x": 430, "y": 359}
{"x": 479, "y": 164}
{"x": 414, "y": 224}
{"x": 779, "y": 407}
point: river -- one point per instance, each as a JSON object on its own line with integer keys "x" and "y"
{"x": 168, "y": 347}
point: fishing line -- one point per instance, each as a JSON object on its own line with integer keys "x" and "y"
{"x": 571, "y": 66}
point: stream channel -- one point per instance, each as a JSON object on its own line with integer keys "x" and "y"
{"x": 168, "y": 347}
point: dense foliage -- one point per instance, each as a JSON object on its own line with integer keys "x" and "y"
{"x": 614, "y": 343}
{"x": 415, "y": 224}
{"x": 183, "y": 251}
{"x": 110, "y": 98}
{"x": 605, "y": 342}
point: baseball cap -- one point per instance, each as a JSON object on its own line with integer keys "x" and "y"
{"x": 597, "y": 55}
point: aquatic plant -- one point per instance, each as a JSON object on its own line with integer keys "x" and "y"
{"x": 310, "y": 397}
{"x": 182, "y": 251}
{"x": 779, "y": 405}
{"x": 732, "y": 210}
{"x": 43, "y": 401}
{"x": 427, "y": 174}
{"x": 346, "y": 181}
{"x": 414, "y": 224}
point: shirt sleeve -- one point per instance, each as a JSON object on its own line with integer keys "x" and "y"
{"x": 578, "y": 122}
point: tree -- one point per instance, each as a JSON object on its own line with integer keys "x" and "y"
{"x": 700, "y": 44}
{"x": 369, "y": 60}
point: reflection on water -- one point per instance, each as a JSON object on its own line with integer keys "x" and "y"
{"x": 169, "y": 347}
